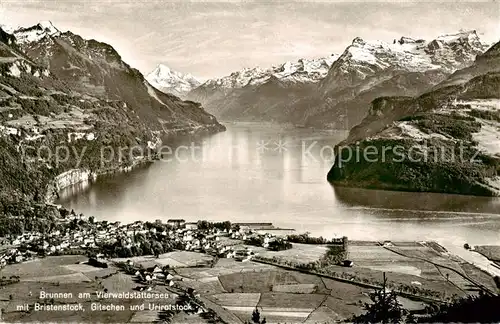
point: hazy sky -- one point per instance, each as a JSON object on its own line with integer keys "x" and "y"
{"x": 211, "y": 39}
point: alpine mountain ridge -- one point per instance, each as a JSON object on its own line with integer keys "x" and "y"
{"x": 444, "y": 140}
{"x": 336, "y": 92}
{"x": 240, "y": 93}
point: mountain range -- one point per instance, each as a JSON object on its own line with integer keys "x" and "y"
{"x": 334, "y": 92}
{"x": 58, "y": 88}
{"x": 447, "y": 139}
{"x": 256, "y": 93}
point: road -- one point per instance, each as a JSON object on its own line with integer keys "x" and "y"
{"x": 474, "y": 258}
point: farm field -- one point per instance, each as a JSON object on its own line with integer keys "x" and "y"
{"x": 323, "y": 315}
{"x": 223, "y": 267}
{"x": 65, "y": 274}
{"x": 479, "y": 275}
{"x": 236, "y": 299}
{"x": 234, "y": 289}
{"x": 281, "y": 296}
{"x": 295, "y": 288}
{"x": 300, "y": 253}
{"x": 177, "y": 259}
{"x": 291, "y": 296}
{"x": 50, "y": 266}
{"x": 421, "y": 264}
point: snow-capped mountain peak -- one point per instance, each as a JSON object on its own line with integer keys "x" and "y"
{"x": 358, "y": 41}
{"x": 165, "y": 79}
{"x": 470, "y": 36}
{"x": 48, "y": 27}
{"x": 301, "y": 71}
{"x": 164, "y": 71}
{"x": 36, "y": 33}
{"x": 8, "y": 28}
{"x": 414, "y": 54}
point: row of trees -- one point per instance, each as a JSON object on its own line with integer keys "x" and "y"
{"x": 279, "y": 245}
{"x": 206, "y": 225}
{"x": 306, "y": 239}
{"x": 255, "y": 240}
{"x": 145, "y": 246}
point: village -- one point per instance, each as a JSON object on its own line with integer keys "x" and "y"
{"x": 219, "y": 270}
{"x": 81, "y": 235}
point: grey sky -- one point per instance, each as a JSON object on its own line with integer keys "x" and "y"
{"x": 211, "y": 39}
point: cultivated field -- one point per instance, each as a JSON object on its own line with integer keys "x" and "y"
{"x": 50, "y": 266}
{"x": 424, "y": 265}
{"x": 65, "y": 274}
{"x": 178, "y": 259}
{"x": 300, "y": 253}
{"x": 236, "y": 299}
{"x": 281, "y": 296}
{"x": 295, "y": 288}
{"x": 233, "y": 289}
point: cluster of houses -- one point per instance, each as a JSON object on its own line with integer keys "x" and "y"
{"x": 150, "y": 275}
{"x": 186, "y": 235}
{"x": 14, "y": 255}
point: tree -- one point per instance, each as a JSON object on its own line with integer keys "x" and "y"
{"x": 470, "y": 309}
{"x": 139, "y": 238}
{"x": 385, "y": 308}
{"x": 157, "y": 248}
{"x": 280, "y": 245}
{"x": 123, "y": 252}
{"x": 146, "y": 248}
{"x": 256, "y": 317}
{"x": 136, "y": 250}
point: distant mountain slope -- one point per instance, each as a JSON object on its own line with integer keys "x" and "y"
{"x": 249, "y": 93}
{"x": 63, "y": 93}
{"x": 173, "y": 82}
{"x": 335, "y": 92}
{"x": 367, "y": 70}
{"x": 445, "y": 140}
{"x": 95, "y": 68}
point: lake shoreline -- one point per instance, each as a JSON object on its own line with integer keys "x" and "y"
{"x": 278, "y": 186}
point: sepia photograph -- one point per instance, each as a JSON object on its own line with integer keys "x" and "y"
{"x": 249, "y": 161}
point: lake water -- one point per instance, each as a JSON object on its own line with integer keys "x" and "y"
{"x": 268, "y": 173}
